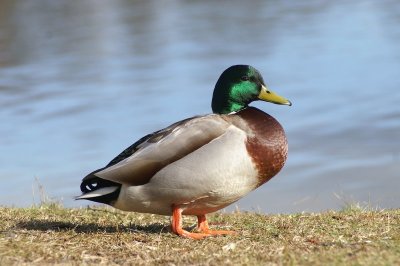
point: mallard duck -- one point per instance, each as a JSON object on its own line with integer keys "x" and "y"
{"x": 201, "y": 164}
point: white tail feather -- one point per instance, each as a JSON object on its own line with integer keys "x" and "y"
{"x": 97, "y": 193}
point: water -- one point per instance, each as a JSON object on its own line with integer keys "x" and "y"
{"x": 81, "y": 81}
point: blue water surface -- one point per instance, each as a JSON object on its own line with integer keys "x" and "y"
{"x": 80, "y": 81}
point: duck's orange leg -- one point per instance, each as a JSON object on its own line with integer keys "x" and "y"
{"x": 202, "y": 226}
{"x": 176, "y": 225}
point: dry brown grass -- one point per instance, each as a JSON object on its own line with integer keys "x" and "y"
{"x": 55, "y": 235}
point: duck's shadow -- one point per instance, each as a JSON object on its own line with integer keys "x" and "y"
{"x": 58, "y": 226}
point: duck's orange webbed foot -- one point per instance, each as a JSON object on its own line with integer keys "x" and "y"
{"x": 176, "y": 225}
{"x": 202, "y": 226}
{"x": 205, "y": 231}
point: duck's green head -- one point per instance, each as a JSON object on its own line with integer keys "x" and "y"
{"x": 238, "y": 86}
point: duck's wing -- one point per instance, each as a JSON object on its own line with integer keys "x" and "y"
{"x": 138, "y": 163}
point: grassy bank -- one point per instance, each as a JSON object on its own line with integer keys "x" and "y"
{"x": 52, "y": 234}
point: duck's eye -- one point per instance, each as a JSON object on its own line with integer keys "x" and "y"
{"x": 245, "y": 78}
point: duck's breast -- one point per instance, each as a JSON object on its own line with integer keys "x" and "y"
{"x": 266, "y": 142}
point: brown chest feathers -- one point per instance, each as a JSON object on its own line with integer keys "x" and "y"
{"x": 266, "y": 142}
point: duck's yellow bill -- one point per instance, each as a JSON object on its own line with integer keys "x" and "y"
{"x": 270, "y": 96}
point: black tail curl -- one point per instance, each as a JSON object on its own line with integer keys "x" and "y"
{"x": 92, "y": 183}
{"x": 95, "y": 183}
